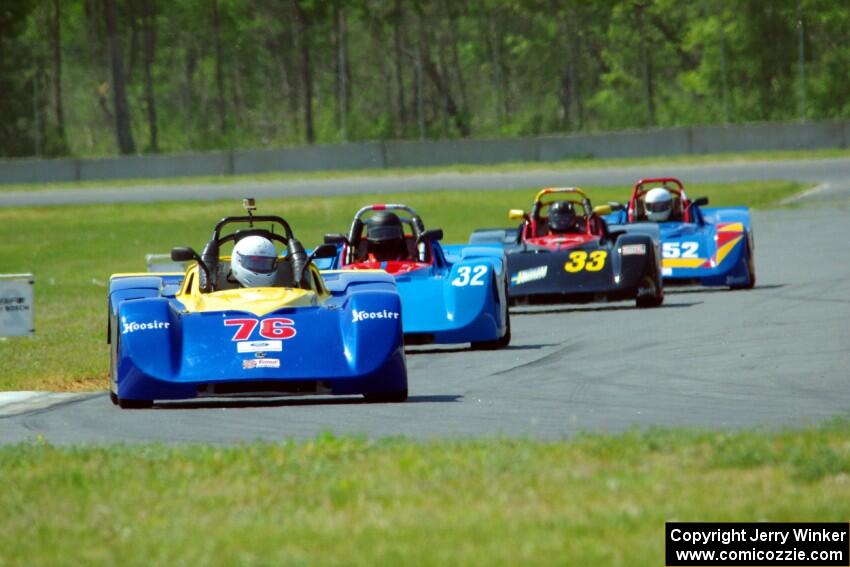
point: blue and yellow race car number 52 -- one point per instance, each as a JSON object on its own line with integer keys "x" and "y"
{"x": 581, "y": 260}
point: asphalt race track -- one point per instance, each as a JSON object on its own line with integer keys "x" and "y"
{"x": 833, "y": 171}
{"x": 773, "y": 356}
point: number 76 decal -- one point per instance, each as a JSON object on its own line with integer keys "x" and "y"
{"x": 272, "y": 328}
{"x": 463, "y": 276}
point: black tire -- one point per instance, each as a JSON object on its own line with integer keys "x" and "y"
{"x": 386, "y": 397}
{"x": 651, "y": 300}
{"x": 751, "y": 272}
{"x": 134, "y": 404}
{"x": 505, "y": 339}
{"x": 114, "y": 340}
{"x": 501, "y": 342}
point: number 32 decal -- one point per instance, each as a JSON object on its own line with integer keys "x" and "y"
{"x": 463, "y": 276}
{"x": 581, "y": 260}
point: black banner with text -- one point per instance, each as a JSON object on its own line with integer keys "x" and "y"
{"x": 759, "y": 543}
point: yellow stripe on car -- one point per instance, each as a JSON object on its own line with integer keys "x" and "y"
{"x": 683, "y": 262}
{"x": 731, "y": 227}
{"x": 724, "y": 250}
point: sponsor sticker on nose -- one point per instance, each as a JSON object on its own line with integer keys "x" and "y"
{"x": 366, "y": 315}
{"x": 134, "y": 326}
{"x": 259, "y": 346}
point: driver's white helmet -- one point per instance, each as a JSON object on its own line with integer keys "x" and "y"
{"x": 254, "y": 261}
{"x": 658, "y": 204}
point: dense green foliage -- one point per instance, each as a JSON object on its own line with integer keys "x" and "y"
{"x": 594, "y": 500}
{"x": 208, "y": 74}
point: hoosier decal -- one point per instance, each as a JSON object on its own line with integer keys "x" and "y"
{"x": 133, "y": 326}
{"x": 529, "y": 275}
{"x": 363, "y": 315}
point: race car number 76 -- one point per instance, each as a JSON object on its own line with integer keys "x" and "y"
{"x": 272, "y": 328}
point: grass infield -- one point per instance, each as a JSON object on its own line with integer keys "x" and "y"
{"x": 72, "y": 250}
{"x": 594, "y": 500}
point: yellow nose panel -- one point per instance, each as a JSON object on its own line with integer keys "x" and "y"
{"x": 258, "y": 300}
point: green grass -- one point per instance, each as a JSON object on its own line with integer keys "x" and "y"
{"x": 595, "y": 500}
{"x": 72, "y": 250}
{"x": 580, "y": 163}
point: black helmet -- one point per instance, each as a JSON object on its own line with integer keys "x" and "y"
{"x": 384, "y": 226}
{"x": 562, "y": 216}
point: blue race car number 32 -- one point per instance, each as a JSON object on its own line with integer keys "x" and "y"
{"x": 470, "y": 276}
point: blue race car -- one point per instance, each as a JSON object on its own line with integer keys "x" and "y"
{"x": 449, "y": 294}
{"x": 177, "y": 336}
{"x": 711, "y": 246}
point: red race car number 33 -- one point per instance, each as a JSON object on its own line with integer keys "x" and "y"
{"x": 279, "y": 328}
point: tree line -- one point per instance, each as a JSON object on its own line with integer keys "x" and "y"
{"x": 98, "y": 77}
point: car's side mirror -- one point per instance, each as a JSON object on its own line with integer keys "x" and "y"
{"x": 183, "y": 254}
{"x": 701, "y": 202}
{"x": 516, "y": 214}
{"x": 326, "y": 250}
{"x": 335, "y": 239}
{"x": 186, "y": 254}
{"x": 431, "y": 235}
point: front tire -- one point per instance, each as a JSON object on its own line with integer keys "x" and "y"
{"x": 751, "y": 271}
{"x": 114, "y": 340}
{"x": 386, "y": 397}
{"x": 653, "y": 299}
{"x": 124, "y": 403}
{"x": 505, "y": 339}
{"x": 501, "y": 342}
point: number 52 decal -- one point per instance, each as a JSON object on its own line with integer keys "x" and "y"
{"x": 271, "y": 328}
{"x": 679, "y": 249}
{"x": 581, "y": 260}
{"x": 463, "y": 276}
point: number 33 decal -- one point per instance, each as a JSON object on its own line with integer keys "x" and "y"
{"x": 579, "y": 261}
{"x": 463, "y": 276}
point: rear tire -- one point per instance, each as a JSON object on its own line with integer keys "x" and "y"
{"x": 113, "y": 397}
{"x": 134, "y": 404}
{"x": 386, "y": 397}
